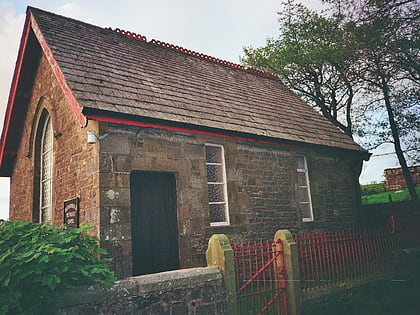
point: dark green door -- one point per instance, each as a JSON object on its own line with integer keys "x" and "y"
{"x": 154, "y": 223}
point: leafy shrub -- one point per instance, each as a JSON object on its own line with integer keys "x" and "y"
{"x": 40, "y": 260}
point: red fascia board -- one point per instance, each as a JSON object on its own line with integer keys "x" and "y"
{"x": 57, "y": 71}
{"x": 13, "y": 90}
{"x": 173, "y": 128}
{"x": 130, "y": 122}
{"x": 30, "y": 23}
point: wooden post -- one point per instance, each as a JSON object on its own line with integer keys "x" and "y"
{"x": 220, "y": 254}
{"x": 291, "y": 265}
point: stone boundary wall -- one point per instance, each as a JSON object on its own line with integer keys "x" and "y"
{"x": 192, "y": 291}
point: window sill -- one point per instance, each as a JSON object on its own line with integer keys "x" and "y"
{"x": 223, "y": 229}
{"x": 308, "y": 221}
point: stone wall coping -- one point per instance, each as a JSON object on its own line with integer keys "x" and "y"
{"x": 138, "y": 285}
{"x": 175, "y": 278}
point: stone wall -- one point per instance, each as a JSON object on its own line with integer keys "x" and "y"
{"x": 75, "y": 163}
{"x": 198, "y": 291}
{"x": 261, "y": 185}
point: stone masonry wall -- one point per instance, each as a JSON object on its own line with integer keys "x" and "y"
{"x": 261, "y": 185}
{"x": 197, "y": 291}
{"x": 261, "y": 179}
{"x": 75, "y": 163}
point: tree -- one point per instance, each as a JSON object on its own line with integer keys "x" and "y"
{"x": 387, "y": 36}
{"x": 315, "y": 58}
{"x": 369, "y": 45}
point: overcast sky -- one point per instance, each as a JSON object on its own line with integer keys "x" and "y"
{"x": 220, "y": 28}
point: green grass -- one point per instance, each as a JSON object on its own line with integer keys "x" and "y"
{"x": 384, "y": 197}
{"x": 372, "y": 189}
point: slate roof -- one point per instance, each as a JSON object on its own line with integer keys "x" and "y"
{"x": 109, "y": 73}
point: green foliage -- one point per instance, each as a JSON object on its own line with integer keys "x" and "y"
{"x": 387, "y": 35}
{"x": 40, "y": 260}
{"x": 363, "y": 53}
{"x": 372, "y": 189}
{"x": 315, "y": 57}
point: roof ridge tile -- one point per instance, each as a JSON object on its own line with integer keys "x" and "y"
{"x": 193, "y": 53}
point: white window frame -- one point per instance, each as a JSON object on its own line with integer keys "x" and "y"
{"x": 48, "y": 180}
{"x": 307, "y": 186}
{"x": 224, "y": 183}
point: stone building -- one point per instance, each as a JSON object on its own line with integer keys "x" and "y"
{"x": 158, "y": 147}
{"x": 394, "y": 178}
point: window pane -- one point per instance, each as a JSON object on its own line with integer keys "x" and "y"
{"x": 217, "y": 212}
{"x": 46, "y": 214}
{"x": 46, "y": 194}
{"x": 216, "y": 193}
{"x": 303, "y": 194}
{"x": 300, "y": 162}
{"x": 46, "y": 160}
{"x": 306, "y": 210}
{"x": 213, "y": 154}
{"x": 47, "y": 140}
{"x": 215, "y": 173}
{"x": 46, "y": 166}
{"x": 301, "y": 177}
{"x": 216, "y": 184}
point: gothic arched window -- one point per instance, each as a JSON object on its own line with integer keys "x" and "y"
{"x": 43, "y": 170}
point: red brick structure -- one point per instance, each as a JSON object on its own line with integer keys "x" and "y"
{"x": 180, "y": 146}
{"x": 394, "y": 178}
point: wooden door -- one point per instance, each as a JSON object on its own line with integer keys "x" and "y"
{"x": 154, "y": 223}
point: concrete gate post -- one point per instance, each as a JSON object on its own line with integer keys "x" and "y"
{"x": 220, "y": 254}
{"x": 291, "y": 265}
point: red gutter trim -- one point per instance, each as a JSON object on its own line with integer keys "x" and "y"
{"x": 130, "y": 122}
{"x": 164, "y": 127}
{"x": 58, "y": 74}
{"x": 13, "y": 89}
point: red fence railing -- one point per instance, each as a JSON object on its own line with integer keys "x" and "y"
{"x": 329, "y": 258}
{"x": 260, "y": 277}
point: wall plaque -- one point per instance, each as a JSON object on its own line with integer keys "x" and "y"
{"x": 71, "y": 212}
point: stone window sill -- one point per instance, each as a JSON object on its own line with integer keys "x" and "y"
{"x": 226, "y": 229}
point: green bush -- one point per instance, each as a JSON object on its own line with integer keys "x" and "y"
{"x": 38, "y": 261}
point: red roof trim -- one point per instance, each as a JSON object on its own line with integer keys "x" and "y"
{"x": 172, "y": 128}
{"x": 130, "y": 122}
{"x": 58, "y": 74}
{"x": 13, "y": 89}
{"x": 194, "y": 53}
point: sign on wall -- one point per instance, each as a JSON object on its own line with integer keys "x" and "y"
{"x": 71, "y": 212}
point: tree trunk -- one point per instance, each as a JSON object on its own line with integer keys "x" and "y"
{"x": 397, "y": 143}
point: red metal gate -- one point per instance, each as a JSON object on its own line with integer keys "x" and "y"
{"x": 260, "y": 277}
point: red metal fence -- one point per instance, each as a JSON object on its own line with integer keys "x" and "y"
{"x": 329, "y": 258}
{"x": 260, "y": 277}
